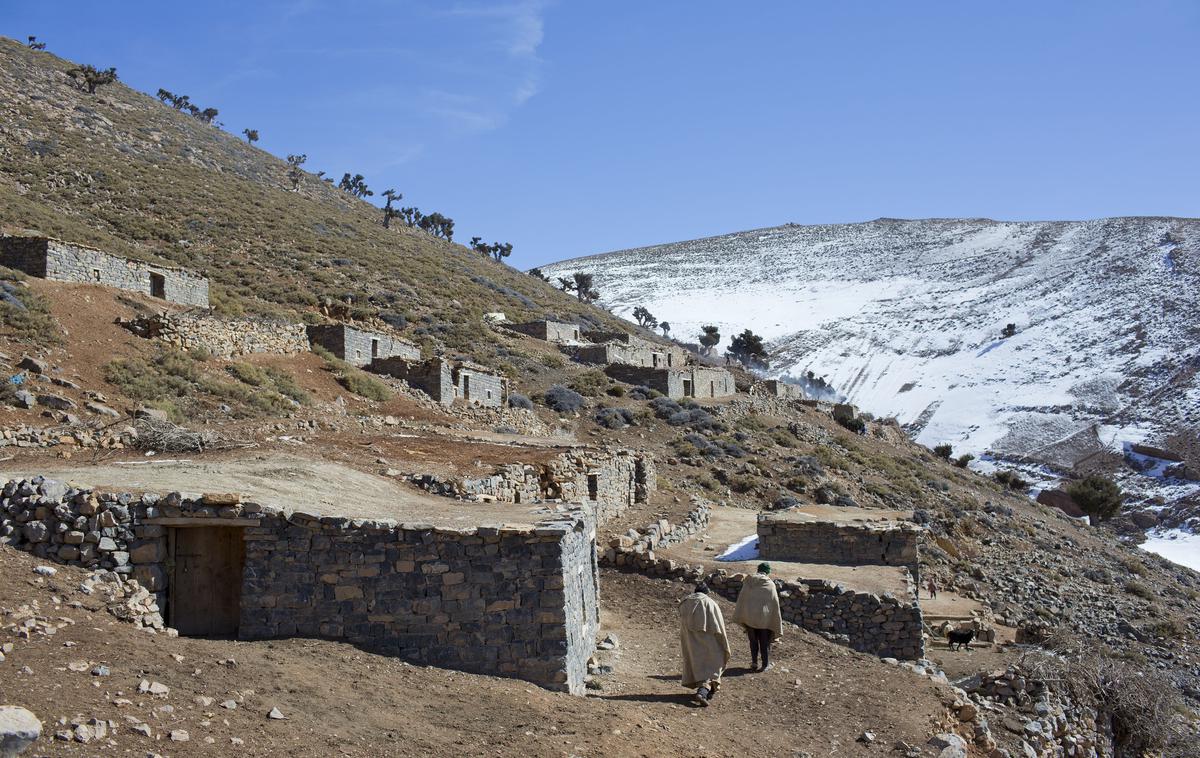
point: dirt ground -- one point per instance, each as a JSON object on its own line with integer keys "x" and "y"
{"x": 288, "y": 483}
{"x": 728, "y": 526}
{"x": 340, "y": 701}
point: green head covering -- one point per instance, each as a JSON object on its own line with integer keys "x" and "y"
{"x": 764, "y": 568}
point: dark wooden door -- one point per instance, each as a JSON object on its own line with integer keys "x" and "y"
{"x": 206, "y": 583}
{"x": 158, "y": 286}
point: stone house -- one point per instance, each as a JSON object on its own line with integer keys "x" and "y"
{"x": 638, "y": 351}
{"x": 518, "y": 600}
{"x": 777, "y": 388}
{"x": 49, "y": 258}
{"x": 678, "y": 383}
{"x": 446, "y": 381}
{"x": 550, "y": 331}
{"x": 359, "y": 347}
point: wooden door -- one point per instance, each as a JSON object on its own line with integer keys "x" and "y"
{"x": 158, "y": 286}
{"x": 206, "y": 581}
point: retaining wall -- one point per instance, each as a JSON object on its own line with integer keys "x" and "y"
{"x": 221, "y": 338}
{"x": 509, "y": 601}
{"x": 885, "y": 543}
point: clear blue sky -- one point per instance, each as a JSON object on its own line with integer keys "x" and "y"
{"x": 573, "y": 127}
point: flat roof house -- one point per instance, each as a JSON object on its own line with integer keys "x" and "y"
{"x": 359, "y": 347}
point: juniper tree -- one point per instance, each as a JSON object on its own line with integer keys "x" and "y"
{"x": 35, "y": 45}
{"x": 581, "y": 284}
{"x": 355, "y": 185}
{"x": 709, "y": 338}
{"x": 1099, "y": 497}
{"x": 666, "y": 328}
{"x": 748, "y": 348}
{"x": 251, "y": 135}
{"x": 388, "y": 210}
{"x": 500, "y": 250}
{"x": 88, "y": 77}
{"x": 295, "y": 174}
{"x": 537, "y": 272}
{"x": 644, "y": 317}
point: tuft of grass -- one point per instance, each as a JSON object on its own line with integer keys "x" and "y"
{"x": 25, "y": 315}
{"x": 355, "y": 380}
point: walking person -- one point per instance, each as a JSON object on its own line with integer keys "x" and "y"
{"x": 932, "y": 588}
{"x": 703, "y": 643}
{"x": 758, "y": 612}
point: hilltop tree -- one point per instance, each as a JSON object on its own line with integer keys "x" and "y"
{"x": 581, "y": 284}
{"x": 251, "y": 135}
{"x": 388, "y": 211}
{"x": 943, "y": 451}
{"x": 295, "y": 174}
{"x": 537, "y": 272}
{"x": 748, "y": 348}
{"x": 709, "y": 338}
{"x": 501, "y": 250}
{"x": 35, "y": 45}
{"x": 1097, "y": 496}
{"x": 355, "y": 185}
{"x": 1008, "y": 330}
{"x": 644, "y": 317}
{"x": 565, "y": 284}
{"x": 89, "y": 78}
{"x": 666, "y": 328}
{"x": 207, "y": 115}
{"x": 438, "y": 225}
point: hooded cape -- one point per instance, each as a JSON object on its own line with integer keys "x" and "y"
{"x": 758, "y": 605}
{"x": 702, "y": 639}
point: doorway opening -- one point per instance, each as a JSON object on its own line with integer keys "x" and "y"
{"x": 205, "y": 564}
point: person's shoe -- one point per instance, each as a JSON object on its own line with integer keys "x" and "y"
{"x": 702, "y": 696}
{"x": 766, "y": 667}
{"x": 754, "y": 664}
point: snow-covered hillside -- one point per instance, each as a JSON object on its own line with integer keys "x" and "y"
{"x": 905, "y": 319}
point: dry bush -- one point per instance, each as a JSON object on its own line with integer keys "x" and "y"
{"x": 166, "y": 437}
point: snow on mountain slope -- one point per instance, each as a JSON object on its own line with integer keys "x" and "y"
{"x": 904, "y": 319}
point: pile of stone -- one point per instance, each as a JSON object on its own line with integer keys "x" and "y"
{"x": 659, "y": 534}
{"x": 125, "y": 599}
{"x": 73, "y": 436}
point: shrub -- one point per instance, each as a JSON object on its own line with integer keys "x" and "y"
{"x": 354, "y": 380}
{"x": 614, "y": 418}
{"x": 1011, "y": 479}
{"x": 1139, "y": 589}
{"x": 642, "y": 392}
{"x": 664, "y": 407}
{"x": 1099, "y": 497}
{"x": 591, "y": 383}
{"x": 25, "y": 316}
{"x": 553, "y": 360}
{"x": 964, "y": 460}
{"x": 943, "y": 451}
{"x": 252, "y": 375}
{"x": 615, "y": 391}
{"x": 563, "y": 399}
{"x": 516, "y": 400}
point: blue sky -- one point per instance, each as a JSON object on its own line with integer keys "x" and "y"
{"x": 573, "y": 127}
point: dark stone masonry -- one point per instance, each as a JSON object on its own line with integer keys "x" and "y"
{"x": 359, "y": 347}
{"x": 519, "y": 601}
{"x": 48, "y": 258}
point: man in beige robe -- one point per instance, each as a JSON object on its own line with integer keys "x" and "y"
{"x": 758, "y": 612}
{"x": 704, "y": 644}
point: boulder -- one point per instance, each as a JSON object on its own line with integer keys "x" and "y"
{"x": 19, "y": 729}
{"x": 57, "y": 402}
{"x": 30, "y": 363}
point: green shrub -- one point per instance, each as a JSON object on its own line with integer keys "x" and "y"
{"x": 1139, "y": 589}
{"x": 964, "y": 460}
{"x": 553, "y": 360}
{"x": 1099, "y": 497}
{"x": 943, "y": 451}
{"x": 25, "y": 317}
{"x": 353, "y": 379}
{"x": 590, "y": 383}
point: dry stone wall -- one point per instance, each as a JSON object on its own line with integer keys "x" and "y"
{"x": 884, "y": 625}
{"x": 885, "y": 543}
{"x": 221, "y": 338}
{"x": 509, "y": 601}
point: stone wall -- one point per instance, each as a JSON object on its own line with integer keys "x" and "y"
{"x": 551, "y": 331}
{"x": 695, "y": 381}
{"x": 221, "y": 338}
{"x": 776, "y": 388}
{"x": 446, "y": 381}
{"x": 883, "y": 625}
{"x": 360, "y": 347}
{"x": 616, "y": 352}
{"x": 509, "y": 601}
{"x": 605, "y": 482}
{"x": 884, "y": 543}
{"x": 65, "y": 262}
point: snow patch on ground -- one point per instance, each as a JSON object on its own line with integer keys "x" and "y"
{"x": 1175, "y": 545}
{"x": 743, "y": 550}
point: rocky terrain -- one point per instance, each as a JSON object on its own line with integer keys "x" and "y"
{"x": 85, "y": 650}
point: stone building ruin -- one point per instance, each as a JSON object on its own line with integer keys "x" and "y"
{"x": 359, "y": 347}
{"x": 446, "y": 381}
{"x": 693, "y": 381}
{"x": 550, "y": 331}
{"x": 777, "y": 388}
{"x": 794, "y": 536}
{"x": 55, "y": 260}
{"x": 517, "y": 600}
{"x": 222, "y": 338}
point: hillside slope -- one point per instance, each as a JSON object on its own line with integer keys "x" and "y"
{"x": 905, "y": 319}
{"x": 123, "y": 172}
